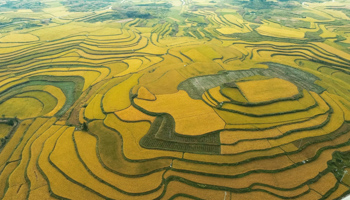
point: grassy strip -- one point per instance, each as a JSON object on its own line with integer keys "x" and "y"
{"x": 109, "y": 184}
{"x": 110, "y": 153}
{"x": 158, "y": 137}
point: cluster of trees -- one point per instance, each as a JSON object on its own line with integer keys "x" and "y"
{"x": 144, "y": 11}
{"x": 11, "y": 122}
{"x": 85, "y": 5}
{"x": 165, "y": 5}
{"x": 258, "y": 4}
{"x": 137, "y": 14}
{"x": 25, "y": 25}
{"x": 24, "y": 4}
{"x": 120, "y": 11}
{"x": 174, "y": 30}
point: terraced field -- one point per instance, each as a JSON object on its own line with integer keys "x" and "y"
{"x": 207, "y": 103}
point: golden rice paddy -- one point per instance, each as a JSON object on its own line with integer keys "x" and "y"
{"x": 206, "y": 100}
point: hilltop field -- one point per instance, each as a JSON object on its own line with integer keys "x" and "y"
{"x": 180, "y": 99}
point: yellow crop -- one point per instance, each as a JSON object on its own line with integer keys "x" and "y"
{"x": 209, "y": 100}
{"x": 21, "y": 107}
{"x": 132, "y": 114}
{"x": 58, "y": 183}
{"x": 284, "y": 193}
{"x": 278, "y": 107}
{"x": 336, "y": 120}
{"x": 35, "y": 127}
{"x": 272, "y": 128}
{"x": 234, "y": 94}
{"x": 244, "y": 121}
{"x": 245, "y": 146}
{"x": 117, "y": 98}
{"x": 40, "y": 193}
{"x": 65, "y": 146}
{"x": 338, "y": 192}
{"x": 283, "y": 32}
{"x": 19, "y": 38}
{"x": 232, "y": 158}
{"x": 189, "y": 114}
{"x": 269, "y": 163}
{"x": 10, "y": 146}
{"x": 132, "y": 132}
{"x": 215, "y": 93}
{"x": 324, "y": 184}
{"x": 33, "y": 173}
{"x": 166, "y": 84}
{"x": 93, "y": 110}
{"x": 86, "y": 145}
{"x": 59, "y": 95}
{"x": 89, "y": 76}
{"x": 228, "y": 137}
{"x": 48, "y": 102}
{"x": 144, "y": 94}
{"x": 332, "y": 49}
{"x": 4, "y": 130}
{"x": 133, "y": 65}
{"x": 16, "y": 179}
{"x": 176, "y": 187}
{"x": 6, "y": 172}
{"x": 267, "y": 90}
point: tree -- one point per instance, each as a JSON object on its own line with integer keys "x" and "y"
{"x": 84, "y": 127}
{"x": 11, "y": 122}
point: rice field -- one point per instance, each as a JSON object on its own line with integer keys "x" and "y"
{"x": 208, "y": 100}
